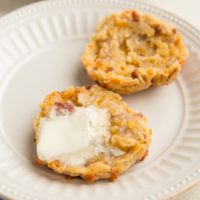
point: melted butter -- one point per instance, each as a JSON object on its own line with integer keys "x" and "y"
{"x": 74, "y": 137}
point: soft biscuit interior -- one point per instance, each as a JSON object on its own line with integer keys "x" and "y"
{"x": 110, "y": 136}
{"x": 128, "y": 41}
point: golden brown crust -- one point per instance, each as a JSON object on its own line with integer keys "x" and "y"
{"x": 128, "y": 132}
{"x": 131, "y": 52}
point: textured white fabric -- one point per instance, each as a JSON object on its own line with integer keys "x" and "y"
{"x": 186, "y": 9}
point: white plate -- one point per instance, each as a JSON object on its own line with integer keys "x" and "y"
{"x": 40, "y": 49}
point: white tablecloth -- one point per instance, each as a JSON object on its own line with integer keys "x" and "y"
{"x": 187, "y": 9}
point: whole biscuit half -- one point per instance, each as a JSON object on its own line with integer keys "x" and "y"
{"x": 130, "y": 52}
{"x": 129, "y": 137}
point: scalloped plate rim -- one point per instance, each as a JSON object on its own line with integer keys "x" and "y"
{"x": 21, "y": 12}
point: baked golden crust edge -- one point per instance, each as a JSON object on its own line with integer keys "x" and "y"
{"x": 131, "y": 52}
{"x": 128, "y": 133}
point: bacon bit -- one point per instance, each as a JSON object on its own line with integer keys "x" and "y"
{"x": 134, "y": 75}
{"x": 135, "y": 17}
{"x": 66, "y": 106}
{"x": 174, "y": 30}
{"x": 158, "y": 30}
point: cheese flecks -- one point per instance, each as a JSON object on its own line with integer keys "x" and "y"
{"x": 74, "y": 137}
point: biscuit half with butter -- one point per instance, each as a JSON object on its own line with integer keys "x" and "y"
{"x": 89, "y": 132}
{"x": 130, "y": 52}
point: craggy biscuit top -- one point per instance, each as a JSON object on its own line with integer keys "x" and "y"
{"x": 129, "y": 136}
{"x": 131, "y": 51}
